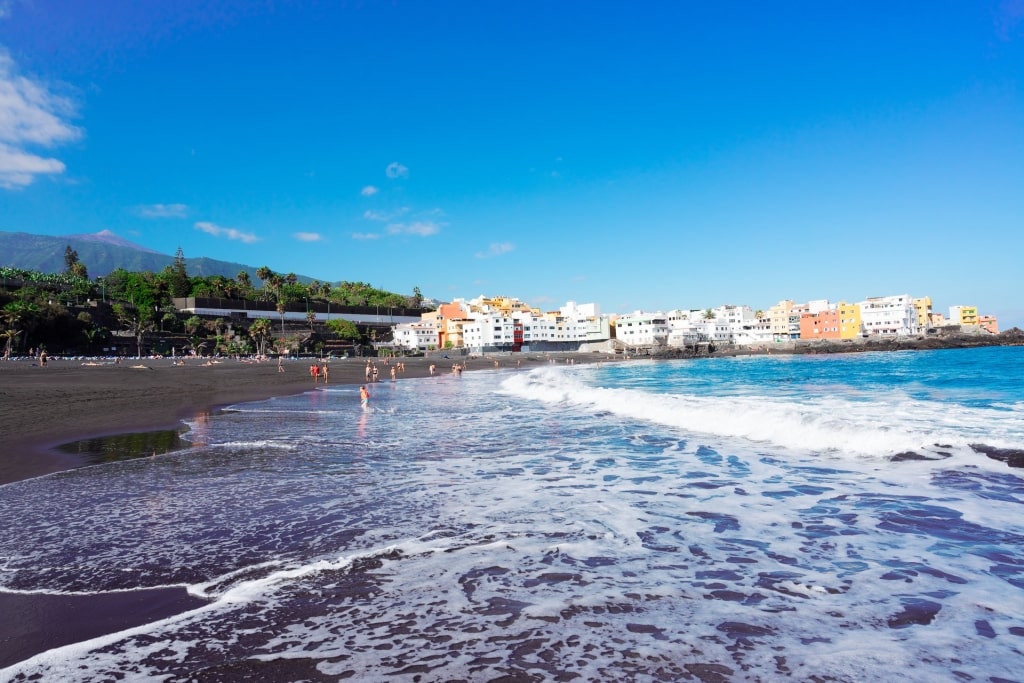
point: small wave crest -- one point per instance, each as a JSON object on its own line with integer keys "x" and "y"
{"x": 259, "y": 443}
{"x": 883, "y": 426}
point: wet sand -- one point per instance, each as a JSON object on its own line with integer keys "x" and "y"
{"x": 34, "y": 623}
{"x": 71, "y": 401}
{"x": 42, "y": 408}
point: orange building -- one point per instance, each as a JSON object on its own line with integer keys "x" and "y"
{"x": 822, "y": 325}
{"x": 989, "y": 323}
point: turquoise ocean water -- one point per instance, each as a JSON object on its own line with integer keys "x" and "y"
{"x": 770, "y": 518}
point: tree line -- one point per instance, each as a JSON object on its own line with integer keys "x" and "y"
{"x": 68, "y": 311}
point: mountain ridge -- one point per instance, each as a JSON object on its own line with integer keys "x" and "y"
{"x": 104, "y": 252}
{"x": 110, "y": 237}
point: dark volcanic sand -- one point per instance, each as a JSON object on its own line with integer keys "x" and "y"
{"x": 71, "y": 401}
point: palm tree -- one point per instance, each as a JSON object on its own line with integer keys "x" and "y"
{"x": 276, "y": 282}
{"x": 260, "y": 331}
{"x": 10, "y": 336}
{"x": 192, "y": 324}
{"x": 325, "y": 292}
{"x": 709, "y": 314}
{"x": 311, "y": 318}
{"x": 264, "y": 273}
{"x": 244, "y": 280}
{"x": 291, "y": 278}
{"x": 280, "y": 312}
{"x": 14, "y": 315}
{"x": 135, "y": 323}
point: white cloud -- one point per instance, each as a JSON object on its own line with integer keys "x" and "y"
{"x": 19, "y": 168}
{"x": 365, "y": 236}
{"x": 396, "y": 170}
{"x": 30, "y": 115}
{"x": 496, "y": 249}
{"x": 420, "y": 228}
{"x": 385, "y": 216}
{"x": 369, "y": 191}
{"x": 163, "y": 211}
{"x": 308, "y": 236}
{"x": 230, "y": 233}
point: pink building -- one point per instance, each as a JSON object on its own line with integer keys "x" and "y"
{"x": 989, "y": 323}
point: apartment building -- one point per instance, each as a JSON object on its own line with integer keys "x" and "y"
{"x": 779, "y": 315}
{"x": 963, "y": 315}
{"x": 641, "y": 329}
{"x": 989, "y": 323}
{"x": 785, "y": 317}
{"x": 889, "y": 316}
{"x": 820, "y": 325}
{"x": 421, "y": 336}
{"x": 835, "y": 321}
{"x": 504, "y": 324}
{"x": 850, "y": 323}
{"x": 923, "y": 306}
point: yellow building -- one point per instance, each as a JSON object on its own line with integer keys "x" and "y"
{"x": 963, "y": 315}
{"x": 779, "y": 316}
{"x": 923, "y": 306}
{"x": 849, "y": 320}
{"x": 503, "y": 304}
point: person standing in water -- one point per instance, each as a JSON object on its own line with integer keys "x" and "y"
{"x": 364, "y": 396}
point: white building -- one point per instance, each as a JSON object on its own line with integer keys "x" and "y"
{"x": 641, "y": 329}
{"x": 490, "y": 331}
{"x": 419, "y": 336}
{"x": 723, "y": 325}
{"x": 505, "y": 324}
{"x": 889, "y": 316}
{"x": 684, "y": 327}
{"x": 754, "y": 332}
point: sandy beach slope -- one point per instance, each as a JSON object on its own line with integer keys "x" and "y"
{"x": 68, "y": 400}
{"x": 42, "y": 408}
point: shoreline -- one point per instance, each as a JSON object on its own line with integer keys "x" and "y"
{"x": 42, "y": 409}
{"x": 67, "y": 402}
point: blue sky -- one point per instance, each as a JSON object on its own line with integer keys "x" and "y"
{"x": 646, "y": 155}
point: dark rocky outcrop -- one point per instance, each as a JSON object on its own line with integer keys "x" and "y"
{"x": 1014, "y": 457}
{"x": 948, "y": 340}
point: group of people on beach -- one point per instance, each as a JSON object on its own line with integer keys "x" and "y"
{"x": 373, "y": 372}
{"x": 318, "y": 371}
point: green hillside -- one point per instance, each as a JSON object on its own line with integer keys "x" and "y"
{"x": 102, "y": 253}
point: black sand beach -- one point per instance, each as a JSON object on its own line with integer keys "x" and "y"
{"x": 42, "y": 408}
{"x": 70, "y": 401}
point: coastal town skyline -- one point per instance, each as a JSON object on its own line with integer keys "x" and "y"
{"x": 929, "y": 313}
{"x": 642, "y": 158}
